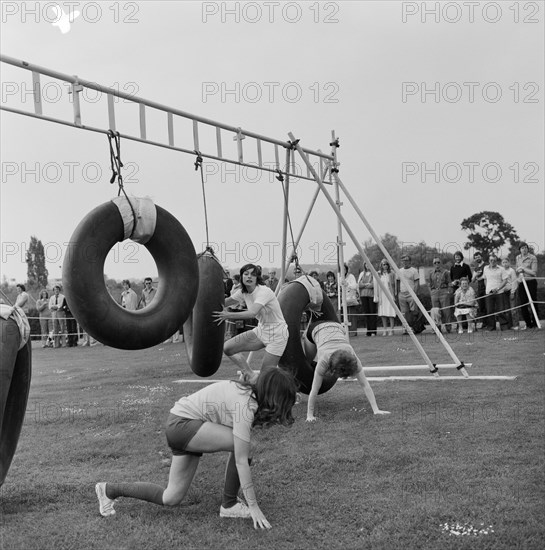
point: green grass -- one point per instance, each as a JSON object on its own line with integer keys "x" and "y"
{"x": 467, "y": 452}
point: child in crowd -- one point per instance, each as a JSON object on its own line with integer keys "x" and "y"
{"x": 465, "y": 304}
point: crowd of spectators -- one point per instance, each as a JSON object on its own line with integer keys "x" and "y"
{"x": 476, "y": 296}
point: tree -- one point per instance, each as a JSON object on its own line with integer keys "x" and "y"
{"x": 488, "y": 232}
{"x": 35, "y": 258}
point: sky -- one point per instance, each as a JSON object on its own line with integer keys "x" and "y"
{"x": 438, "y": 108}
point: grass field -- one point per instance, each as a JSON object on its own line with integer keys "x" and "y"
{"x": 458, "y": 464}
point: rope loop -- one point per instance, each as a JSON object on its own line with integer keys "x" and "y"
{"x": 198, "y": 165}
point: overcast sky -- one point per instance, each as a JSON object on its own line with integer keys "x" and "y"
{"x": 413, "y": 95}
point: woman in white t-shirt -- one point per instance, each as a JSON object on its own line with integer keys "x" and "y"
{"x": 328, "y": 342}
{"x": 219, "y": 417}
{"x": 271, "y": 332}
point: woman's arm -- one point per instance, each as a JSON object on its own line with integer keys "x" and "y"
{"x": 230, "y": 301}
{"x": 368, "y": 390}
{"x": 242, "y": 451}
{"x": 251, "y": 313}
{"x": 316, "y": 385}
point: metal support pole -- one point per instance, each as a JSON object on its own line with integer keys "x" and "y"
{"x": 364, "y": 256}
{"x": 285, "y": 196}
{"x": 439, "y": 334}
{"x": 340, "y": 246}
{"x": 296, "y": 243}
{"x": 530, "y": 301}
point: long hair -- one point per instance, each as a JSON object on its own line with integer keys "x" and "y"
{"x": 275, "y": 391}
{"x": 342, "y": 364}
{"x": 387, "y": 270}
{"x": 42, "y": 292}
{"x": 257, "y": 272}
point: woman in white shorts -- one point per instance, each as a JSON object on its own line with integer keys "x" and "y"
{"x": 271, "y": 332}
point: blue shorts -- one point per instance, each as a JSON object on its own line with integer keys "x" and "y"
{"x": 179, "y": 432}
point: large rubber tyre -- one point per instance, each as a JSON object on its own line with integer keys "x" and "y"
{"x": 294, "y": 300}
{"x": 15, "y": 376}
{"x": 204, "y": 338}
{"x": 90, "y": 301}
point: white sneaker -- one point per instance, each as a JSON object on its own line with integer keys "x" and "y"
{"x": 469, "y": 330}
{"x": 106, "y": 505}
{"x": 239, "y": 510}
{"x": 460, "y": 331}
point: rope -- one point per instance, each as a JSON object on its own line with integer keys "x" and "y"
{"x": 198, "y": 165}
{"x": 116, "y": 165}
{"x": 294, "y": 258}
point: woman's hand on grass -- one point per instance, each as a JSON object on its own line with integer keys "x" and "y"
{"x": 311, "y": 418}
{"x": 258, "y": 518}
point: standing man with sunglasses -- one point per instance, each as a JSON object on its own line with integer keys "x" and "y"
{"x": 148, "y": 294}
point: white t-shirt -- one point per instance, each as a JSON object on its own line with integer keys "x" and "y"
{"x": 329, "y": 337}
{"x": 270, "y": 313}
{"x": 223, "y": 403}
{"x": 494, "y": 277}
{"x": 408, "y": 275}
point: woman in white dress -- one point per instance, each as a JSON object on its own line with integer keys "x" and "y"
{"x": 385, "y": 309}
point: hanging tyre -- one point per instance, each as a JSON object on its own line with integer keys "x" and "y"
{"x": 89, "y": 299}
{"x": 294, "y": 299}
{"x": 203, "y": 337}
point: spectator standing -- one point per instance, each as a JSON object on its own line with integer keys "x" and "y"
{"x": 148, "y": 293}
{"x": 352, "y": 301}
{"x": 22, "y": 299}
{"x": 478, "y": 279}
{"x": 526, "y": 267}
{"x": 367, "y": 294}
{"x": 495, "y": 279}
{"x": 440, "y": 291}
{"x": 331, "y": 288}
{"x": 71, "y": 326}
{"x": 386, "y": 310}
{"x": 58, "y": 316}
{"x": 510, "y": 294}
{"x": 457, "y": 271}
{"x": 129, "y": 299}
{"x": 314, "y": 275}
{"x": 227, "y": 283}
{"x": 410, "y": 278}
{"x": 272, "y": 281}
{"x": 42, "y": 305}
